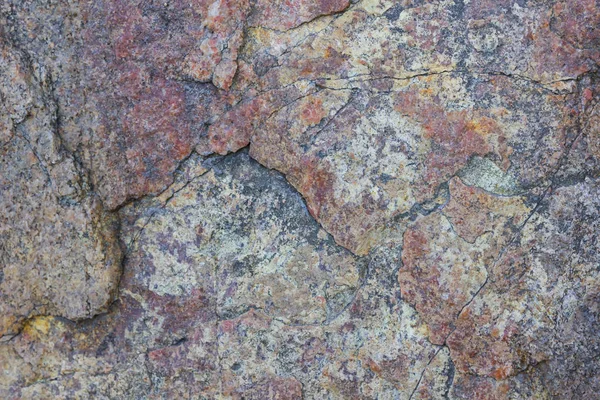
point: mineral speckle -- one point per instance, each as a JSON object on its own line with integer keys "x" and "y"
{"x": 331, "y": 199}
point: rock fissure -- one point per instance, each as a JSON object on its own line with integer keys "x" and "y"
{"x": 307, "y": 199}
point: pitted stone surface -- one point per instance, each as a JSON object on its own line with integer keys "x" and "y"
{"x": 366, "y": 199}
{"x": 59, "y": 253}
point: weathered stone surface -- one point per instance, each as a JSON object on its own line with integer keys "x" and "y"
{"x": 203, "y": 310}
{"x": 446, "y": 254}
{"x": 327, "y": 199}
{"x": 362, "y": 158}
{"x": 130, "y": 78}
{"x": 525, "y": 310}
{"x": 59, "y": 253}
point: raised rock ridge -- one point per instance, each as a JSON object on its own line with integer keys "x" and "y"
{"x": 325, "y": 199}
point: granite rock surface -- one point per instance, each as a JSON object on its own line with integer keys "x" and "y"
{"x": 327, "y": 199}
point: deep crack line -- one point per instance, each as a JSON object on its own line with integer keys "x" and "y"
{"x": 423, "y": 372}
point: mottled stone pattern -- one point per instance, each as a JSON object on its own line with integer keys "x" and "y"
{"x": 326, "y": 199}
{"x": 59, "y": 250}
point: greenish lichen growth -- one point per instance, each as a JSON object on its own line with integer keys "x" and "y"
{"x": 485, "y": 174}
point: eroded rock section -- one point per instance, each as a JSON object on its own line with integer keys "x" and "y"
{"x": 137, "y": 83}
{"x": 322, "y": 199}
{"x": 59, "y": 252}
{"x": 231, "y": 289}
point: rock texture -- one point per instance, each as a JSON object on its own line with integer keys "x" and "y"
{"x": 327, "y": 199}
{"x": 60, "y": 252}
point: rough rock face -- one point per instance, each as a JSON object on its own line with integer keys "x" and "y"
{"x": 321, "y": 199}
{"x": 60, "y": 253}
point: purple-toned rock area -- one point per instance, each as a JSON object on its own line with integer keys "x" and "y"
{"x": 294, "y": 199}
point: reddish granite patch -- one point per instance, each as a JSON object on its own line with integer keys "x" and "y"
{"x": 287, "y": 14}
{"x": 440, "y": 273}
